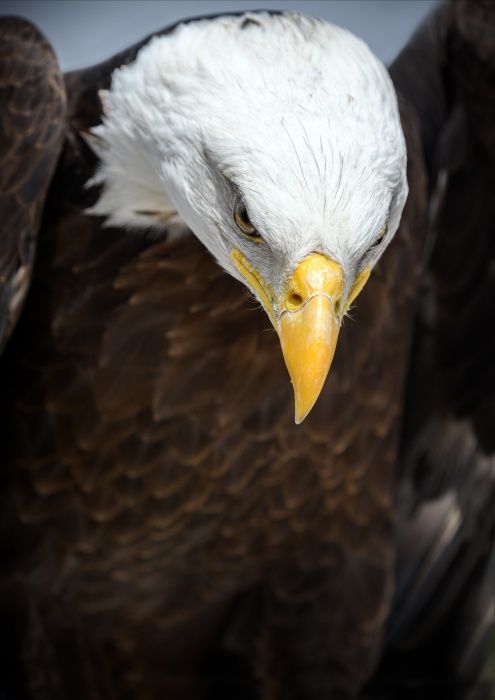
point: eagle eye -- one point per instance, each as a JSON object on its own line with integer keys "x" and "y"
{"x": 243, "y": 222}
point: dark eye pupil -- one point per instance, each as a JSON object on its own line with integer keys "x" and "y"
{"x": 243, "y": 215}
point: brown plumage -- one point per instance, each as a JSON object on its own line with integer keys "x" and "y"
{"x": 169, "y": 532}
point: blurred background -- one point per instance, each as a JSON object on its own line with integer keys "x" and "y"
{"x": 84, "y": 32}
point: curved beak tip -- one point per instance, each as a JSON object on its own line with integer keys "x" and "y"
{"x": 300, "y": 412}
{"x": 308, "y": 389}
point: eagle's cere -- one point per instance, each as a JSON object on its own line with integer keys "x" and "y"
{"x": 167, "y": 531}
{"x": 303, "y": 129}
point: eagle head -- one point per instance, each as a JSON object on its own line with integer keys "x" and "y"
{"x": 276, "y": 139}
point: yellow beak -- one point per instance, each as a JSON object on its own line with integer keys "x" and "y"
{"x": 307, "y": 320}
{"x": 308, "y": 327}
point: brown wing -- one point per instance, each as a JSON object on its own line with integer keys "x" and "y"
{"x": 445, "y": 592}
{"x": 32, "y": 104}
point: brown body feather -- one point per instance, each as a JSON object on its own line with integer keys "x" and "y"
{"x": 156, "y": 478}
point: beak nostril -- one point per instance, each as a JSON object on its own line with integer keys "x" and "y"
{"x": 295, "y": 300}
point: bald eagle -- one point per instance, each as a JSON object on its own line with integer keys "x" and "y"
{"x": 174, "y": 217}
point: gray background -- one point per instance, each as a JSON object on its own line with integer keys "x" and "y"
{"x": 87, "y": 31}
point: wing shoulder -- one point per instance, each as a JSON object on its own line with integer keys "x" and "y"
{"x": 32, "y": 100}
{"x": 444, "y": 598}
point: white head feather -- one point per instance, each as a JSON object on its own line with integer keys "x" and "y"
{"x": 294, "y": 114}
